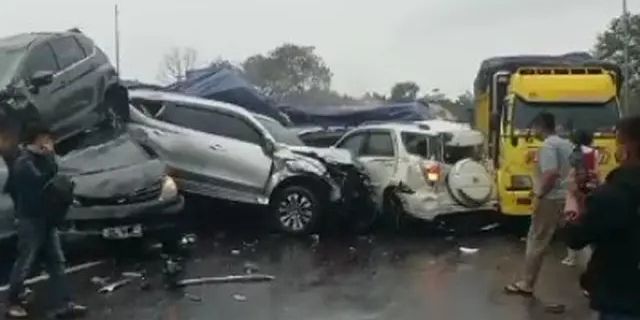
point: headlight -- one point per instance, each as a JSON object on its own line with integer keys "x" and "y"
{"x": 521, "y": 182}
{"x": 169, "y": 189}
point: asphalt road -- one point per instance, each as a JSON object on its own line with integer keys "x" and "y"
{"x": 413, "y": 275}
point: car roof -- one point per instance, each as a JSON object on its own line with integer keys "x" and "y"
{"x": 157, "y": 95}
{"x": 395, "y": 126}
{"x": 23, "y": 40}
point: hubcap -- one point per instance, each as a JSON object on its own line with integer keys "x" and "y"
{"x": 295, "y": 211}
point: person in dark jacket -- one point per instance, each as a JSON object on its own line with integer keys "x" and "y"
{"x": 610, "y": 223}
{"x": 38, "y": 238}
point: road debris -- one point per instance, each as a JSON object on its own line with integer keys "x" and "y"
{"x": 555, "y": 308}
{"x": 239, "y": 297}
{"x": 235, "y": 252}
{"x": 193, "y": 297}
{"x": 99, "y": 281}
{"x": 116, "y": 285}
{"x": 250, "y": 268}
{"x": 490, "y": 227}
{"x": 70, "y": 270}
{"x": 133, "y": 274}
{"x": 225, "y": 279}
{"x": 467, "y": 250}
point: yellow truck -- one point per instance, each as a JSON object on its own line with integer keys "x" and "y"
{"x": 511, "y": 91}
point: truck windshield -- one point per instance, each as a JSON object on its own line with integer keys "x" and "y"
{"x": 9, "y": 60}
{"x": 593, "y": 117}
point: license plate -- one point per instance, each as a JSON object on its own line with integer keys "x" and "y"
{"x": 122, "y": 232}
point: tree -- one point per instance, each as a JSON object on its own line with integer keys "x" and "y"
{"x": 224, "y": 64}
{"x": 435, "y": 96}
{"x": 287, "y": 70}
{"x": 176, "y": 63}
{"x": 404, "y": 91}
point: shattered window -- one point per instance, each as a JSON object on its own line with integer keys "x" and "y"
{"x": 379, "y": 144}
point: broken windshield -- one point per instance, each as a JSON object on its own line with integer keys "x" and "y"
{"x": 9, "y": 61}
{"x": 280, "y": 133}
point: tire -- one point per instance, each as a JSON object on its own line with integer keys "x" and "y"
{"x": 296, "y": 210}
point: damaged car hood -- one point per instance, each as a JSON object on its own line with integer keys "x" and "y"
{"x": 115, "y": 168}
{"x": 330, "y": 155}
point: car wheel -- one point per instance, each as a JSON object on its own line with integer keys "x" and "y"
{"x": 296, "y": 210}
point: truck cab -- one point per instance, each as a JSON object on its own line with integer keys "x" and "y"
{"x": 512, "y": 91}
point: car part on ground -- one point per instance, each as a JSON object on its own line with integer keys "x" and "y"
{"x": 423, "y": 169}
{"x": 222, "y": 151}
{"x": 61, "y": 78}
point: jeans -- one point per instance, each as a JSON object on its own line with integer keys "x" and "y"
{"x": 38, "y": 242}
{"x": 612, "y": 316}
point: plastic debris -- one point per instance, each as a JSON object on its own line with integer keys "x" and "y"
{"x": 555, "y": 308}
{"x": 226, "y": 279}
{"x": 114, "y": 286}
{"x": 70, "y": 270}
{"x": 490, "y": 227}
{"x": 235, "y": 252}
{"x": 239, "y": 297}
{"x": 99, "y": 281}
{"x": 131, "y": 274}
{"x": 467, "y": 250}
{"x": 193, "y": 297}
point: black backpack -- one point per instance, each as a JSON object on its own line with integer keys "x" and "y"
{"x": 58, "y": 197}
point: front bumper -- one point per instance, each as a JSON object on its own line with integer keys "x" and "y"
{"x": 427, "y": 205}
{"x": 153, "y": 216}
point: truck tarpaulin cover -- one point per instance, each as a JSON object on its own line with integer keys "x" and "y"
{"x": 348, "y": 116}
{"x": 512, "y": 63}
{"x": 227, "y": 86}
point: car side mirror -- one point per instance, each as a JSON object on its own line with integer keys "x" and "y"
{"x": 269, "y": 147}
{"x": 40, "y": 79}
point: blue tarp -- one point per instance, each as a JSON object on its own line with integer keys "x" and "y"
{"x": 227, "y": 86}
{"x": 348, "y": 116}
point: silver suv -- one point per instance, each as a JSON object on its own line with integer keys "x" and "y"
{"x": 223, "y": 151}
{"x": 423, "y": 169}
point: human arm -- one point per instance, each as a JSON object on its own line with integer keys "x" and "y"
{"x": 549, "y": 168}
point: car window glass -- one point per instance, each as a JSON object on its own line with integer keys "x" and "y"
{"x": 86, "y": 44}
{"x": 353, "y": 143}
{"x": 210, "y": 122}
{"x": 379, "y": 144}
{"x": 40, "y": 58}
{"x": 435, "y": 148}
{"x": 416, "y": 144}
{"x": 67, "y": 51}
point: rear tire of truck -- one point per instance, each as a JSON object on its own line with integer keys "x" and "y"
{"x": 296, "y": 210}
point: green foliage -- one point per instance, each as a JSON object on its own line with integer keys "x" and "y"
{"x": 404, "y": 92}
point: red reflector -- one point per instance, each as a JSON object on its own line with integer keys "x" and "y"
{"x": 523, "y": 201}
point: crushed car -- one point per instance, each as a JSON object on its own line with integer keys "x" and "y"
{"x": 423, "y": 169}
{"x": 122, "y": 191}
{"x": 223, "y": 151}
{"x": 62, "y": 79}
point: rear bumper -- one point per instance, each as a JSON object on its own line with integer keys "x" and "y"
{"x": 152, "y": 216}
{"x": 428, "y": 205}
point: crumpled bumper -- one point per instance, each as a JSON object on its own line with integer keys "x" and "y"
{"x": 427, "y": 205}
{"x": 152, "y": 215}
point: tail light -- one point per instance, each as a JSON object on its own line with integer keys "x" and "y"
{"x": 431, "y": 172}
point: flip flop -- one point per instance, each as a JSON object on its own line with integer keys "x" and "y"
{"x": 514, "y": 288}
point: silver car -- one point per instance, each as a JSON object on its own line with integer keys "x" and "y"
{"x": 223, "y": 151}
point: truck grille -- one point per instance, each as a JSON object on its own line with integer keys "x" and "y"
{"x": 141, "y": 195}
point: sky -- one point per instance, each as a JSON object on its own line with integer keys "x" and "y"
{"x": 368, "y": 44}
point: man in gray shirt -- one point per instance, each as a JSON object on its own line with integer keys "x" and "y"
{"x": 551, "y": 188}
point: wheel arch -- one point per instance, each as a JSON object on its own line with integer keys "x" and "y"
{"x": 319, "y": 187}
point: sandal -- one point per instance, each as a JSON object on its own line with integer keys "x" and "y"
{"x": 515, "y": 288}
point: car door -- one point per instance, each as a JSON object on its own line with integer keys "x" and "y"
{"x": 78, "y": 93}
{"x": 378, "y": 156}
{"x": 46, "y": 99}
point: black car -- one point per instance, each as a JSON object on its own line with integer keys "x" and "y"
{"x": 122, "y": 190}
{"x": 61, "y": 78}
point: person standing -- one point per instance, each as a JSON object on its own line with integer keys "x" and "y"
{"x": 551, "y": 188}
{"x": 38, "y": 240}
{"x": 610, "y": 223}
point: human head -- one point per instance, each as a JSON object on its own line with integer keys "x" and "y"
{"x": 582, "y": 137}
{"x": 628, "y": 140}
{"x": 39, "y": 135}
{"x": 544, "y": 125}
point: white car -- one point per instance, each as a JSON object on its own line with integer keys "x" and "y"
{"x": 423, "y": 169}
